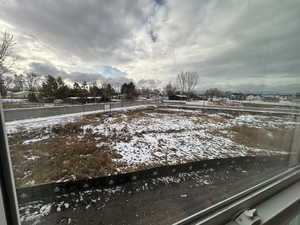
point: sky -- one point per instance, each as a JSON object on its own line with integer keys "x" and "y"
{"x": 250, "y": 45}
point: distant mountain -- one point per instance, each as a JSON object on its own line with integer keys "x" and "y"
{"x": 262, "y": 92}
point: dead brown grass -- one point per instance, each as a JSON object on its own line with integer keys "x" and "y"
{"x": 274, "y": 139}
{"x": 60, "y": 159}
{"x": 70, "y": 153}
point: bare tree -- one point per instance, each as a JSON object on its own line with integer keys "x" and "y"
{"x": 7, "y": 81}
{"x": 19, "y": 82}
{"x": 31, "y": 81}
{"x": 5, "y": 50}
{"x": 181, "y": 82}
{"x": 187, "y": 82}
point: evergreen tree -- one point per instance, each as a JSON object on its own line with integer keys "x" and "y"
{"x": 32, "y": 97}
{"x": 54, "y": 89}
{"x": 129, "y": 91}
{"x": 76, "y": 90}
{"x": 63, "y": 91}
{"x": 107, "y": 92}
{"x": 95, "y": 91}
{"x": 49, "y": 88}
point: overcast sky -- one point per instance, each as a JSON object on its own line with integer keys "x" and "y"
{"x": 232, "y": 44}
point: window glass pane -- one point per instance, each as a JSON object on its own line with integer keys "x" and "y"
{"x": 145, "y": 112}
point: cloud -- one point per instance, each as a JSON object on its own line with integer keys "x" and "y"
{"x": 149, "y": 83}
{"x": 153, "y": 36}
{"x": 160, "y": 2}
{"x": 44, "y": 69}
{"x": 229, "y": 43}
{"x": 264, "y": 88}
{"x": 110, "y": 71}
{"x": 86, "y": 30}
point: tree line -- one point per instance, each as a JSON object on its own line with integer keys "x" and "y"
{"x": 56, "y": 88}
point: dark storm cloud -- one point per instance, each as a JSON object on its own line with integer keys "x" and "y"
{"x": 265, "y": 41}
{"x": 260, "y": 47}
{"x": 230, "y": 43}
{"x": 45, "y": 69}
{"x": 90, "y": 30}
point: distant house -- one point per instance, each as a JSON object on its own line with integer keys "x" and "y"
{"x": 286, "y": 97}
{"x": 93, "y": 99}
{"x": 270, "y": 98}
{"x": 253, "y": 98}
{"x": 178, "y": 97}
{"x": 201, "y": 97}
{"x": 237, "y": 96}
{"x": 72, "y": 100}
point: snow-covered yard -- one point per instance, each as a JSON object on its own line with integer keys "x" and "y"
{"x": 83, "y": 146}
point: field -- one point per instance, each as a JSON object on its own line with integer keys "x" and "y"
{"x": 61, "y": 148}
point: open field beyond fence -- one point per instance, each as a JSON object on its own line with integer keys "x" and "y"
{"x": 60, "y": 149}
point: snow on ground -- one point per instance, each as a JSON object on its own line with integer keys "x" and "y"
{"x": 34, "y": 211}
{"x": 240, "y": 103}
{"x": 180, "y": 110}
{"x": 260, "y": 121}
{"x": 176, "y": 148}
{"x": 36, "y": 123}
{"x": 239, "y": 109}
{"x": 154, "y": 122}
{"x": 35, "y": 140}
{"x": 281, "y": 103}
{"x": 202, "y": 103}
{"x": 140, "y": 139}
{"x": 173, "y": 138}
{"x": 165, "y": 136}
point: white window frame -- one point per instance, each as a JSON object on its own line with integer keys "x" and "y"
{"x": 9, "y": 212}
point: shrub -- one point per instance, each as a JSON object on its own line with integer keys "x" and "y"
{"x": 32, "y": 97}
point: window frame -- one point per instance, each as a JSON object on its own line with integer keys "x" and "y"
{"x": 9, "y": 210}
{"x": 224, "y": 211}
